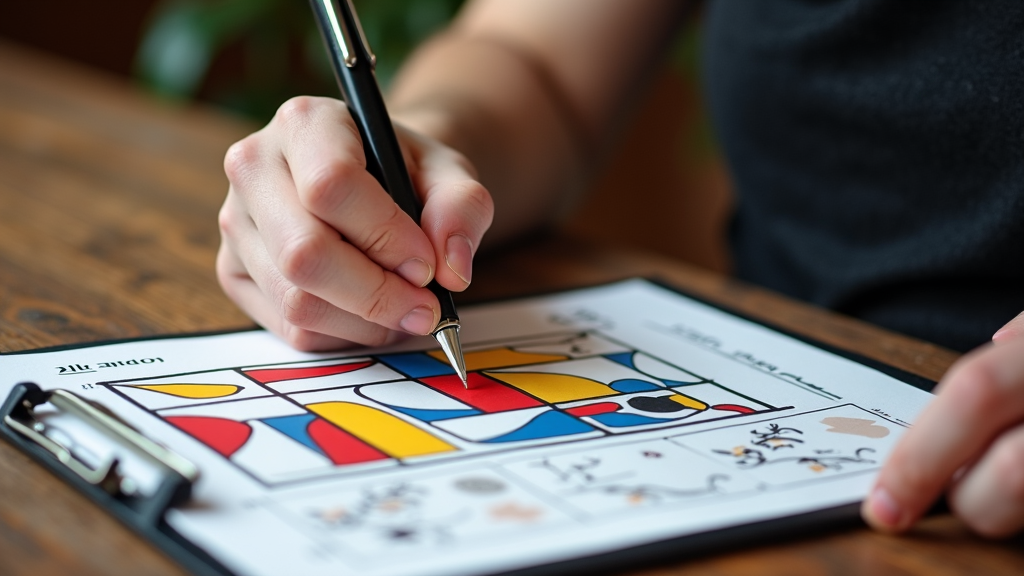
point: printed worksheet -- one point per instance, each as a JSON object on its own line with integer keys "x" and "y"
{"x": 595, "y": 420}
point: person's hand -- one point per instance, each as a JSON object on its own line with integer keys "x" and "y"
{"x": 968, "y": 443}
{"x": 314, "y": 249}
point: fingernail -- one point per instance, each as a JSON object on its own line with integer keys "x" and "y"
{"x": 884, "y": 509}
{"x": 458, "y": 253}
{"x": 419, "y": 321}
{"x": 416, "y": 271}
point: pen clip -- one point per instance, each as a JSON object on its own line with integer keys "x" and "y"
{"x": 341, "y": 24}
{"x": 21, "y": 418}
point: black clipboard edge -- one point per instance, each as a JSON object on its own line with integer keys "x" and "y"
{"x": 146, "y": 521}
{"x": 198, "y": 561}
{"x": 700, "y": 544}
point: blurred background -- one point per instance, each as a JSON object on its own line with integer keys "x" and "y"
{"x": 663, "y": 189}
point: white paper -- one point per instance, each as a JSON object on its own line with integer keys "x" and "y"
{"x": 599, "y": 419}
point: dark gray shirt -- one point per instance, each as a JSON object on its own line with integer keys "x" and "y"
{"x": 877, "y": 148}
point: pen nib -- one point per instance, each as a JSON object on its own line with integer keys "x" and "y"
{"x": 448, "y": 338}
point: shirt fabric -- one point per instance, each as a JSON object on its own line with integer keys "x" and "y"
{"x": 877, "y": 151}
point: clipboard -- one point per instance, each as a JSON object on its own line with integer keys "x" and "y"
{"x": 106, "y": 485}
{"x": 146, "y": 516}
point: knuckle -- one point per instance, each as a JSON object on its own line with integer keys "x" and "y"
{"x": 380, "y": 239}
{"x": 226, "y": 220}
{"x": 377, "y": 304}
{"x": 302, "y": 309}
{"x": 300, "y": 259}
{"x": 325, "y": 189}
{"x": 240, "y": 158}
{"x": 477, "y": 199}
{"x": 295, "y": 111}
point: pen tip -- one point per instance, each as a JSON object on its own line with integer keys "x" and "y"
{"x": 448, "y": 338}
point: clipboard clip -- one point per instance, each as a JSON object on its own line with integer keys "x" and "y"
{"x": 104, "y": 483}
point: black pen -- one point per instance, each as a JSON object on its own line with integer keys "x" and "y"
{"x": 353, "y": 64}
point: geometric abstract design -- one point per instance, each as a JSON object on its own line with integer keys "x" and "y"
{"x": 285, "y": 423}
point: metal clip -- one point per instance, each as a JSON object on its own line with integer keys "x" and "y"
{"x": 340, "y": 24}
{"x": 362, "y": 35}
{"x": 107, "y": 475}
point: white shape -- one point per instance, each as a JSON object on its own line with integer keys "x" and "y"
{"x": 256, "y": 408}
{"x": 411, "y": 395}
{"x": 571, "y": 345}
{"x": 270, "y": 455}
{"x": 487, "y": 426}
{"x": 658, "y": 369}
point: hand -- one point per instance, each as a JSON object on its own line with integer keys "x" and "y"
{"x": 969, "y": 443}
{"x": 314, "y": 249}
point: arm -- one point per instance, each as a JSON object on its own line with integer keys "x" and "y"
{"x": 522, "y": 92}
{"x": 533, "y": 91}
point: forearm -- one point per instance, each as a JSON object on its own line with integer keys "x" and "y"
{"x": 483, "y": 100}
{"x": 531, "y": 92}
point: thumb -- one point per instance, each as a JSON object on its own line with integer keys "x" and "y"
{"x": 457, "y": 210}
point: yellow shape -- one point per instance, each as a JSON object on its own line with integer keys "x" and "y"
{"x": 554, "y": 387}
{"x": 194, "y": 391}
{"x": 688, "y": 402}
{"x": 499, "y": 358}
{"x": 389, "y": 434}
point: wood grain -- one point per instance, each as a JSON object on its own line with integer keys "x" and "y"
{"x": 108, "y": 205}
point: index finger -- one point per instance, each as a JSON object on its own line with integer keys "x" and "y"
{"x": 973, "y": 405}
{"x": 324, "y": 154}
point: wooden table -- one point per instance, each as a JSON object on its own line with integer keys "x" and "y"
{"x": 108, "y": 205}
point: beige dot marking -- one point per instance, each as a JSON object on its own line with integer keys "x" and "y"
{"x": 855, "y": 426}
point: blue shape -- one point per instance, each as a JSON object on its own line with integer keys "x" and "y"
{"x": 625, "y": 420}
{"x": 624, "y": 358}
{"x": 431, "y": 415}
{"x": 545, "y": 425}
{"x": 416, "y": 365}
{"x": 628, "y": 385}
{"x": 294, "y": 427}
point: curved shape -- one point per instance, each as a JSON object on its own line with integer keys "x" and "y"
{"x": 193, "y": 391}
{"x": 382, "y": 430}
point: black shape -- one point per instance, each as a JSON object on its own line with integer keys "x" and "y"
{"x": 404, "y": 534}
{"x": 655, "y": 404}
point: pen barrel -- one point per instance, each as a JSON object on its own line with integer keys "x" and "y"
{"x": 444, "y": 297}
{"x": 358, "y": 85}
{"x": 353, "y": 68}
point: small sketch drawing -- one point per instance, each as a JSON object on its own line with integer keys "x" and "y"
{"x": 581, "y": 477}
{"x": 393, "y": 513}
{"x": 820, "y": 461}
{"x": 775, "y": 437}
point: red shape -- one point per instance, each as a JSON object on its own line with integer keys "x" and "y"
{"x": 484, "y": 394}
{"x": 733, "y": 408}
{"x": 592, "y": 409}
{"x": 340, "y": 446}
{"x": 269, "y": 375}
{"x": 223, "y": 435}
